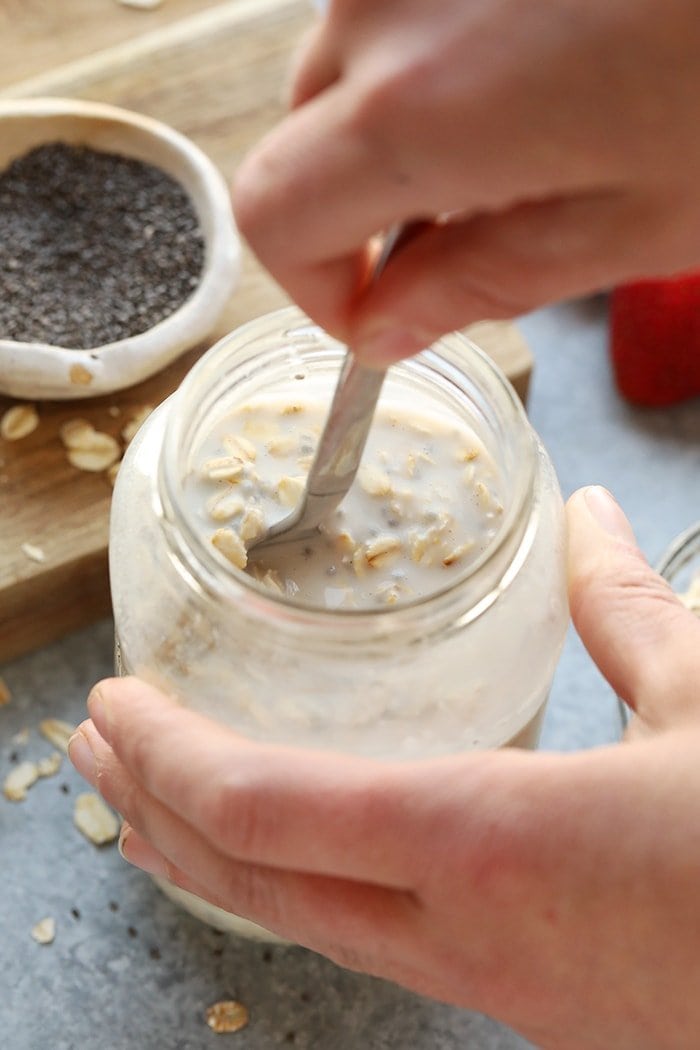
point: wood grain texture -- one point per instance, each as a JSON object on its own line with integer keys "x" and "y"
{"x": 39, "y": 35}
{"x": 215, "y": 71}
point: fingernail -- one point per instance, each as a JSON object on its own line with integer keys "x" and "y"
{"x": 98, "y": 713}
{"x": 141, "y": 854}
{"x": 381, "y": 346}
{"x": 123, "y": 836}
{"x": 608, "y": 513}
{"x": 81, "y": 755}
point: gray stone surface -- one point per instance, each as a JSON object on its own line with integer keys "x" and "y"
{"x": 130, "y": 970}
{"x": 649, "y": 459}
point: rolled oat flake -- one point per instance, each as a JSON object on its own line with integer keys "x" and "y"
{"x": 94, "y": 247}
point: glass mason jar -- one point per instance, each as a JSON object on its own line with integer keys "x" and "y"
{"x": 680, "y": 567}
{"x": 469, "y": 666}
{"x": 680, "y": 564}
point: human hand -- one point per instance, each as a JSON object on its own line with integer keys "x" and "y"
{"x": 559, "y": 137}
{"x": 557, "y": 893}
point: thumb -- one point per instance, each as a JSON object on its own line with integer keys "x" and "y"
{"x": 639, "y": 634}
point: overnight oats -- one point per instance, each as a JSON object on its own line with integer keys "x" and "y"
{"x": 425, "y": 505}
{"x": 427, "y": 615}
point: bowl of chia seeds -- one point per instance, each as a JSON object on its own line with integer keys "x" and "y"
{"x": 118, "y": 249}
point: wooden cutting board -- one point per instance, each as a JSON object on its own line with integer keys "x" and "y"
{"x": 215, "y": 71}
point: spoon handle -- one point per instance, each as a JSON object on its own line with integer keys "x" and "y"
{"x": 351, "y": 413}
{"x": 344, "y": 435}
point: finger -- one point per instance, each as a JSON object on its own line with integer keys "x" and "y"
{"x": 317, "y": 163}
{"x": 260, "y": 803}
{"x": 347, "y": 920}
{"x": 490, "y": 265}
{"x": 639, "y": 634}
{"x": 362, "y": 927}
{"x": 317, "y": 66}
{"x": 501, "y": 265}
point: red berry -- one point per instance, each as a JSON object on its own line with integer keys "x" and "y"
{"x": 655, "y": 339}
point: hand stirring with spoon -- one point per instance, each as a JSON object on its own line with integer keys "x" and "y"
{"x": 344, "y": 435}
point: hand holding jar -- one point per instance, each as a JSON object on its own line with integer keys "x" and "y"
{"x": 552, "y": 149}
{"x": 557, "y": 893}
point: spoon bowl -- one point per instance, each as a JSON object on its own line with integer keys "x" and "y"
{"x": 344, "y": 435}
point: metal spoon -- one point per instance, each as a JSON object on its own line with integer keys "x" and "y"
{"x": 343, "y": 440}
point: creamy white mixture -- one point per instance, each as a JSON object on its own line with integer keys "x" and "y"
{"x": 425, "y": 505}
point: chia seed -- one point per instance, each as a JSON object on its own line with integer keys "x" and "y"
{"x": 94, "y": 247}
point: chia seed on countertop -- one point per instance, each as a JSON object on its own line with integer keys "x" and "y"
{"x": 94, "y": 247}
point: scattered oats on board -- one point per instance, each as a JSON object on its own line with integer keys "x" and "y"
{"x": 44, "y": 931}
{"x": 112, "y": 472}
{"x": 72, "y": 431}
{"x": 34, "y": 553}
{"x": 130, "y": 429}
{"x": 227, "y": 1016}
{"x": 95, "y": 819}
{"x": 57, "y": 732}
{"x": 5, "y": 694}
{"x": 142, "y": 5}
{"x": 88, "y": 449}
{"x": 18, "y": 422}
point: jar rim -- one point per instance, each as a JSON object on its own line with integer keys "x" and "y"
{"x": 236, "y": 584}
{"x": 684, "y": 547}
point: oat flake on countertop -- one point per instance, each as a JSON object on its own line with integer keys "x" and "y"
{"x": 44, "y": 931}
{"x": 49, "y": 766}
{"x": 57, "y": 732}
{"x": 19, "y": 780}
{"x": 25, "y": 775}
{"x": 94, "y": 819}
{"x": 227, "y": 1016}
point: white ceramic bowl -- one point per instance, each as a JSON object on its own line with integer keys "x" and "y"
{"x": 38, "y": 370}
